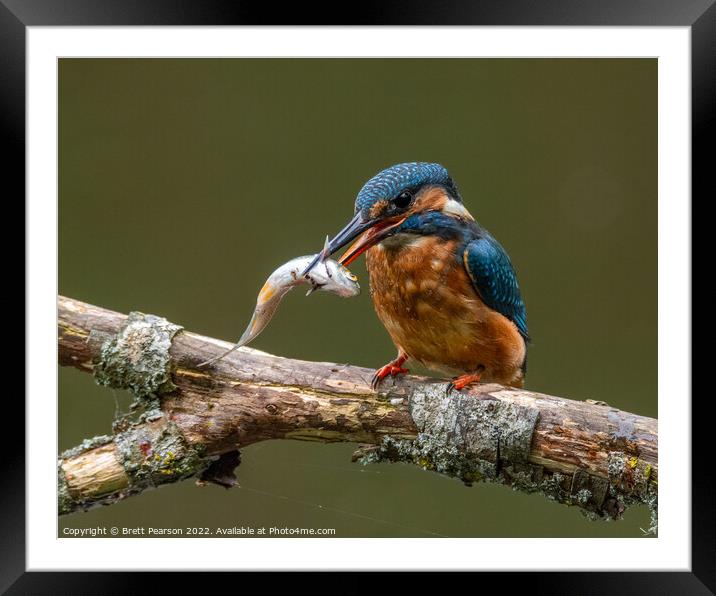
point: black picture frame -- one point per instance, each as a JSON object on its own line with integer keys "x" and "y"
{"x": 700, "y": 15}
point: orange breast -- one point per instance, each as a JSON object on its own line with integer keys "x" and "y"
{"x": 425, "y": 299}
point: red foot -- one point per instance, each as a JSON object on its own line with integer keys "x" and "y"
{"x": 463, "y": 381}
{"x": 392, "y": 368}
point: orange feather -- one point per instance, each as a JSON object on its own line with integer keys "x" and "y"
{"x": 426, "y": 301}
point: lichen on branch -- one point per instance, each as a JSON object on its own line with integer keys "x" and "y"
{"x": 584, "y": 454}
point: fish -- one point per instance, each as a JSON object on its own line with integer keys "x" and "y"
{"x": 330, "y": 277}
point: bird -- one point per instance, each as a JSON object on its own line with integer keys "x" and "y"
{"x": 442, "y": 286}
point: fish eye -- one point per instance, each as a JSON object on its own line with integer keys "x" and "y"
{"x": 403, "y": 199}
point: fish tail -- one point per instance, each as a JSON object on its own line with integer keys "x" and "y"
{"x": 245, "y": 338}
{"x": 220, "y": 356}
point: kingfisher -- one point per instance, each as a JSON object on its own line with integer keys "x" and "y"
{"x": 441, "y": 284}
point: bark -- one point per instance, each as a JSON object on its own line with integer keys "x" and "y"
{"x": 585, "y": 454}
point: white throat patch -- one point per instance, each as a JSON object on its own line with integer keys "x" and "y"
{"x": 454, "y": 207}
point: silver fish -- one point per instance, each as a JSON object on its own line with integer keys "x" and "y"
{"x": 327, "y": 276}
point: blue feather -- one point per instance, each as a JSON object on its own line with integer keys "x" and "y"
{"x": 494, "y": 279}
{"x": 393, "y": 180}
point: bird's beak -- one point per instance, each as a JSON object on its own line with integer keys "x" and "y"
{"x": 368, "y": 231}
{"x": 370, "y": 237}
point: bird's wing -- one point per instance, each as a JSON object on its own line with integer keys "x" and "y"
{"x": 492, "y": 275}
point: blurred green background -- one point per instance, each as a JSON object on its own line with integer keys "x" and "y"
{"x": 184, "y": 183}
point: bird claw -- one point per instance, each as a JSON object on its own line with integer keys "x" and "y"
{"x": 459, "y": 383}
{"x": 384, "y": 371}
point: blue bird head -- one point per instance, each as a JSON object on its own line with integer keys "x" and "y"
{"x": 402, "y": 177}
{"x": 385, "y": 202}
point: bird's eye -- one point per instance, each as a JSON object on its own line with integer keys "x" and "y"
{"x": 403, "y": 199}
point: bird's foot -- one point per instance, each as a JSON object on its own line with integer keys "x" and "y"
{"x": 392, "y": 368}
{"x": 459, "y": 383}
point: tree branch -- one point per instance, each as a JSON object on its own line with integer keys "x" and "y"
{"x": 193, "y": 420}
